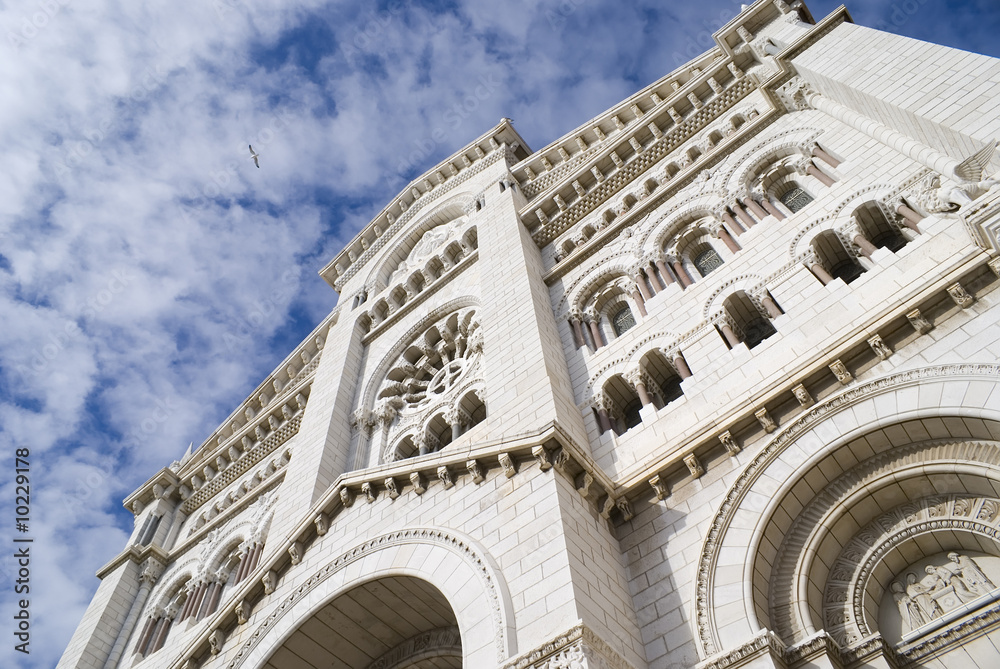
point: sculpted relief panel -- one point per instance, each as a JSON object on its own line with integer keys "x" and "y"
{"x": 942, "y": 585}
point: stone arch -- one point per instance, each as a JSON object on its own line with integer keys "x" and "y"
{"x": 660, "y": 235}
{"x": 931, "y": 408}
{"x": 450, "y": 212}
{"x": 464, "y": 573}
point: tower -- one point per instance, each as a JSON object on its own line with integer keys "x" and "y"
{"x": 709, "y": 381}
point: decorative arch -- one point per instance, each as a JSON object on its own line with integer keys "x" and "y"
{"x": 445, "y": 213}
{"x": 941, "y": 414}
{"x": 456, "y": 565}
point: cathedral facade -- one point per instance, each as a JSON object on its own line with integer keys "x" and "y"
{"x": 710, "y": 381}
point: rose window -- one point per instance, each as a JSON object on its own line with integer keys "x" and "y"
{"x": 433, "y": 365}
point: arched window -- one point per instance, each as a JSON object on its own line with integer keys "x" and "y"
{"x": 707, "y": 261}
{"x": 877, "y": 229}
{"x": 754, "y": 326}
{"x": 622, "y": 321}
{"x": 795, "y": 198}
{"x": 835, "y": 258}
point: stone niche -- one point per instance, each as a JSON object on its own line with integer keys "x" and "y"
{"x": 935, "y": 592}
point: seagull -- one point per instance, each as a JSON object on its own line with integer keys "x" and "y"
{"x": 255, "y": 156}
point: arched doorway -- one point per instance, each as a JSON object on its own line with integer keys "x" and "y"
{"x": 394, "y": 622}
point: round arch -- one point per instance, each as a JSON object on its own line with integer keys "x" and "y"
{"x": 463, "y": 573}
{"x": 934, "y": 412}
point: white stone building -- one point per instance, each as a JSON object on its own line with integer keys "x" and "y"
{"x": 712, "y": 381}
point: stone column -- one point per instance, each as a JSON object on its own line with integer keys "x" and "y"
{"x": 755, "y": 208}
{"x": 818, "y": 152}
{"x": 744, "y": 217}
{"x": 650, "y": 272}
{"x": 603, "y": 419}
{"x": 730, "y": 336}
{"x": 770, "y": 306}
{"x": 578, "y": 337}
{"x": 731, "y": 223}
{"x": 639, "y": 302}
{"x": 814, "y": 171}
{"x": 867, "y": 248}
{"x": 682, "y": 274}
{"x": 640, "y": 388}
{"x": 728, "y": 240}
{"x": 771, "y": 209}
{"x": 910, "y": 217}
{"x": 820, "y": 273}
{"x": 147, "y": 631}
{"x": 595, "y": 332}
{"x": 680, "y": 363}
{"x": 640, "y": 282}
{"x": 664, "y": 272}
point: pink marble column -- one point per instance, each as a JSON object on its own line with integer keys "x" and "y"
{"x": 595, "y": 332}
{"x": 578, "y": 338}
{"x": 820, "y": 272}
{"x": 867, "y": 248}
{"x": 814, "y": 171}
{"x": 640, "y": 282}
{"x": 683, "y": 370}
{"x": 651, "y": 272}
{"x": 639, "y": 302}
{"x": 771, "y": 209}
{"x": 604, "y": 419}
{"x": 640, "y": 388}
{"x": 744, "y": 217}
{"x": 730, "y": 336}
{"x": 755, "y": 208}
{"x": 770, "y": 306}
{"x": 147, "y": 631}
{"x": 731, "y": 223}
{"x": 910, "y": 217}
{"x": 682, "y": 274}
{"x": 665, "y": 274}
{"x": 824, "y": 156}
{"x": 728, "y": 240}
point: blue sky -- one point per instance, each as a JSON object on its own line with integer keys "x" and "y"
{"x": 152, "y": 275}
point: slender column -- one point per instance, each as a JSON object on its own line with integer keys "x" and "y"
{"x": 824, "y": 156}
{"x": 755, "y": 209}
{"x": 910, "y": 217}
{"x": 456, "y": 430}
{"x": 682, "y": 274}
{"x": 771, "y": 209}
{"x": 744, "y": 217}
{"x": 258, "y": 549}
{"x": 730, "y": 336}
{"x": 161, "y": 634}
{"x": 640, "y": 388}
{"x": 188, "y": 604}
{"x": 728, "y": 239}
{"x": 604, "y": 419}
{"x": 820, "y": 272}
{"x": 769, "y": 305}
{"x": 814, "y": 171}
{"x": 206, "y": 601}
{"x": 639, "y": 302}
{"x": 577, "y": 332}
{"x": 241, "y": 571}
{"x": 640, "y": 283}
{"x": 683, "y": 370}
{"x": 147, "y": 631}
{"x": 216, "y": 596}
{"x": 731, "y": 223}
{"x": 651, "y": 272}
{"x": 595, "y": 332}
{"x": 907, "y": 146}
{"x": 199, "y": 595}
{"x": 665, "y": 274}
{"x": 152, "y": 647}
{"x": 867, "y": 248}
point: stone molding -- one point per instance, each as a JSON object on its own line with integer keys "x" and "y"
{"x": 440, "y": 641}
{"x": 951, "y": 634}
{"x": 707, "y": 631}
{"x": 577, "y": 648}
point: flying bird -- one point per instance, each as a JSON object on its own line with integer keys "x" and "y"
{"x": 255, "y": 156}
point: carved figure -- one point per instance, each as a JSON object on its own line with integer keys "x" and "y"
{"x": 910, "y": 612}
{"x": 971, "y": 575}
{"x": 920, "y": 593}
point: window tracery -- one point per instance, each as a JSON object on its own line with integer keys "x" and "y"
{"x": 623, "y": 321}
{"x": 424, "y": 401}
